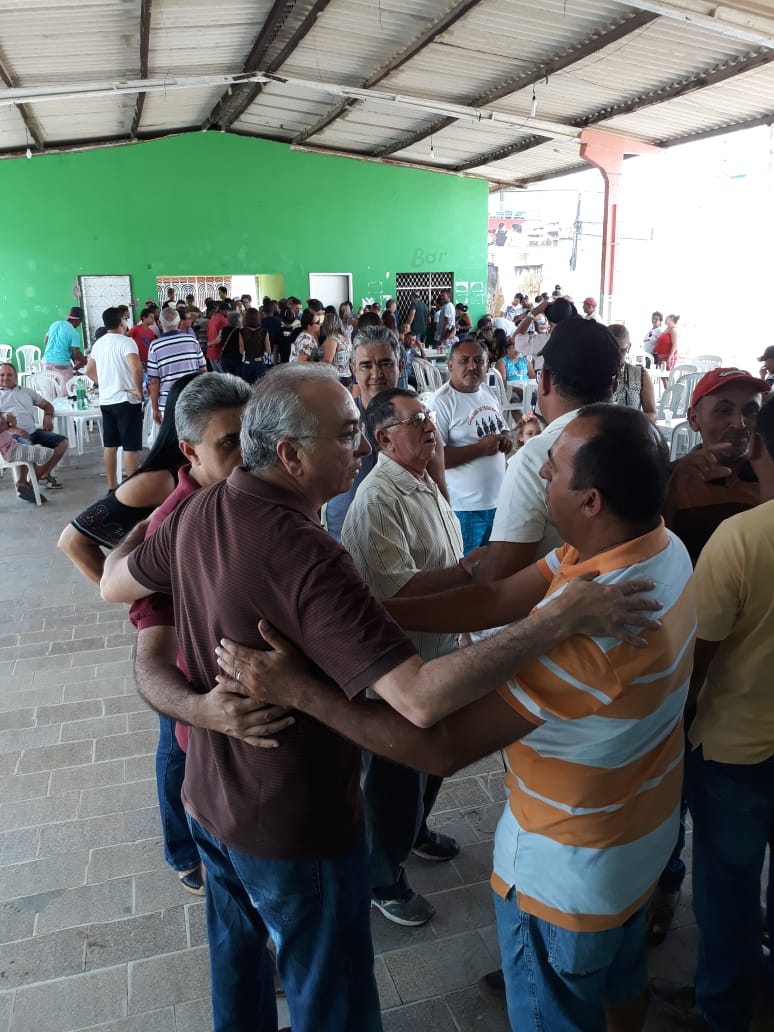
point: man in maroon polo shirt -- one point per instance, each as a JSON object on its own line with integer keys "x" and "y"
{"x": 281, "y": 831}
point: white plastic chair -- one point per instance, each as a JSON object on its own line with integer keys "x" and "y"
{"x": 72, "y": 385}
{"x": 683, "y": 440}
{"x": 673, "y": 399}
{"x": 6, "y": 352}
{"x": 680, "y": 370}
{"x": 704, "y": 363}
{"x": 45, "y": 384}
{"x": 495, "y": 383}
{"x": 15, "y": 468}
{"x": 689, "y": 382}
{"x": 149, "y": 426}
{"x": 28, "y": 358}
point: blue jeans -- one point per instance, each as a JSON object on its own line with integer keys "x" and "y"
{"x": 179, "y": 848}
{"x": 318, "y": 915}
{"x": 398, "y": 801}
{"x": 559, "y": 981}
{"x": 732, "y": 806}
{"x": 476, "y": 527}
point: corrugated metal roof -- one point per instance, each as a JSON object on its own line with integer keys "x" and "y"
{"x": 646, "y": 75}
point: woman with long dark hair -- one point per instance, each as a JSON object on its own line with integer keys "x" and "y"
{"x": 256, "y": 346}
{"x": 106, "y": 523}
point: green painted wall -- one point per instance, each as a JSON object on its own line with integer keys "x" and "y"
{"x": 211, "y": 204}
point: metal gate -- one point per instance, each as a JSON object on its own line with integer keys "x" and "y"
{"x": 201, "y": 287}
{"x": 427, "y": 284}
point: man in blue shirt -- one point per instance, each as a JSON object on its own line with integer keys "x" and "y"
{"x": 63, "y": 349}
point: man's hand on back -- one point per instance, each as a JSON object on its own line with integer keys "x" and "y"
{"x": 609, "y": 610}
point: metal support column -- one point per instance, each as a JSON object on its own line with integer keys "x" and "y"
{"x": 606, "y": 153}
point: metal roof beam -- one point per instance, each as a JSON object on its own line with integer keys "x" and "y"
{"x": 241, "y": 99}
{"x": 30, "y": 122}
{"x": 591, "y": 45}
{"x": 431, "y": 33}
{"x": 145, "y": 24}
{"x": 742, "y": 21}
{"x": 276, "y": 18}
{"x": 712, "y": 77}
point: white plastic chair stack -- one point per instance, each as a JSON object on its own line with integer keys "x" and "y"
{"x": 6, "y": 352}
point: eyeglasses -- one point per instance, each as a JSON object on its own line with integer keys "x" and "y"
{"x": 418, "y": 419}
{"x": 353, "y": 439}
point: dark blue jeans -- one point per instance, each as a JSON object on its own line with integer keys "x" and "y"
{"x": 732, "y": 807}
{"x": 179, "y": 848}
{"x": 398, "y": 801}
{"x": 318, "y": 915}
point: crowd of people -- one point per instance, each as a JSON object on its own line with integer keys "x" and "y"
{"x": 428, "y": 586}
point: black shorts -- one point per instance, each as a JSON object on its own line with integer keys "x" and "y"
{"x": 46, "y": 438}
{"x": 122, "y": 426}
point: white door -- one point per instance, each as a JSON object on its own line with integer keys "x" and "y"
{"x": 331, "y": 287}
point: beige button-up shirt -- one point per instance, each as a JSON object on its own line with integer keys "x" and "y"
{"x": 398, "y": 526}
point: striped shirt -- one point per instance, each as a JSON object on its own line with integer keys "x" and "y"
{"x": 171, "y": 356}
{"x": 396, "y": 527}
{"x": 594, "y": 790}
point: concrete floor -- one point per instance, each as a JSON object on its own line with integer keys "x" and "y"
{"x": 95, "y": 931}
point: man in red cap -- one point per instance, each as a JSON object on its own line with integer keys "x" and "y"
{"x": 716, "y": 481}
{"x": 708, "y": 485}
{"x": 590, "y": 308}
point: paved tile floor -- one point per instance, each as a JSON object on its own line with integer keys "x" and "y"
{"x": 95, "y": 931}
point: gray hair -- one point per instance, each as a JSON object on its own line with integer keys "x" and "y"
{"x": 170, "y": 316}
{"x": 234, "y": 318}
{"x": 204, "y": 395}
{"x": 376, "y": 336}
{"x": 276, "y": 412}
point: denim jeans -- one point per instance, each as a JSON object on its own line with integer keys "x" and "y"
{"x": 318, "y": 915}
{"x": 559, "y": 981}
{"x": 476, "y": 527}
{"x": 179, "y": 848}
{"x": 732, "y": 806}
{"x": 398, "y": 801}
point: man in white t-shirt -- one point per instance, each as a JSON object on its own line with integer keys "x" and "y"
{"x": 114, "y": 364}
{"x": 475, "y": 440}
{"x": 445, "y": 316}
{"x": 579, "y": 366}
{"x": 501, "y": 323}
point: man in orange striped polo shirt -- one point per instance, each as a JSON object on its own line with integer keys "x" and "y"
{"x": 592, "y": 732}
